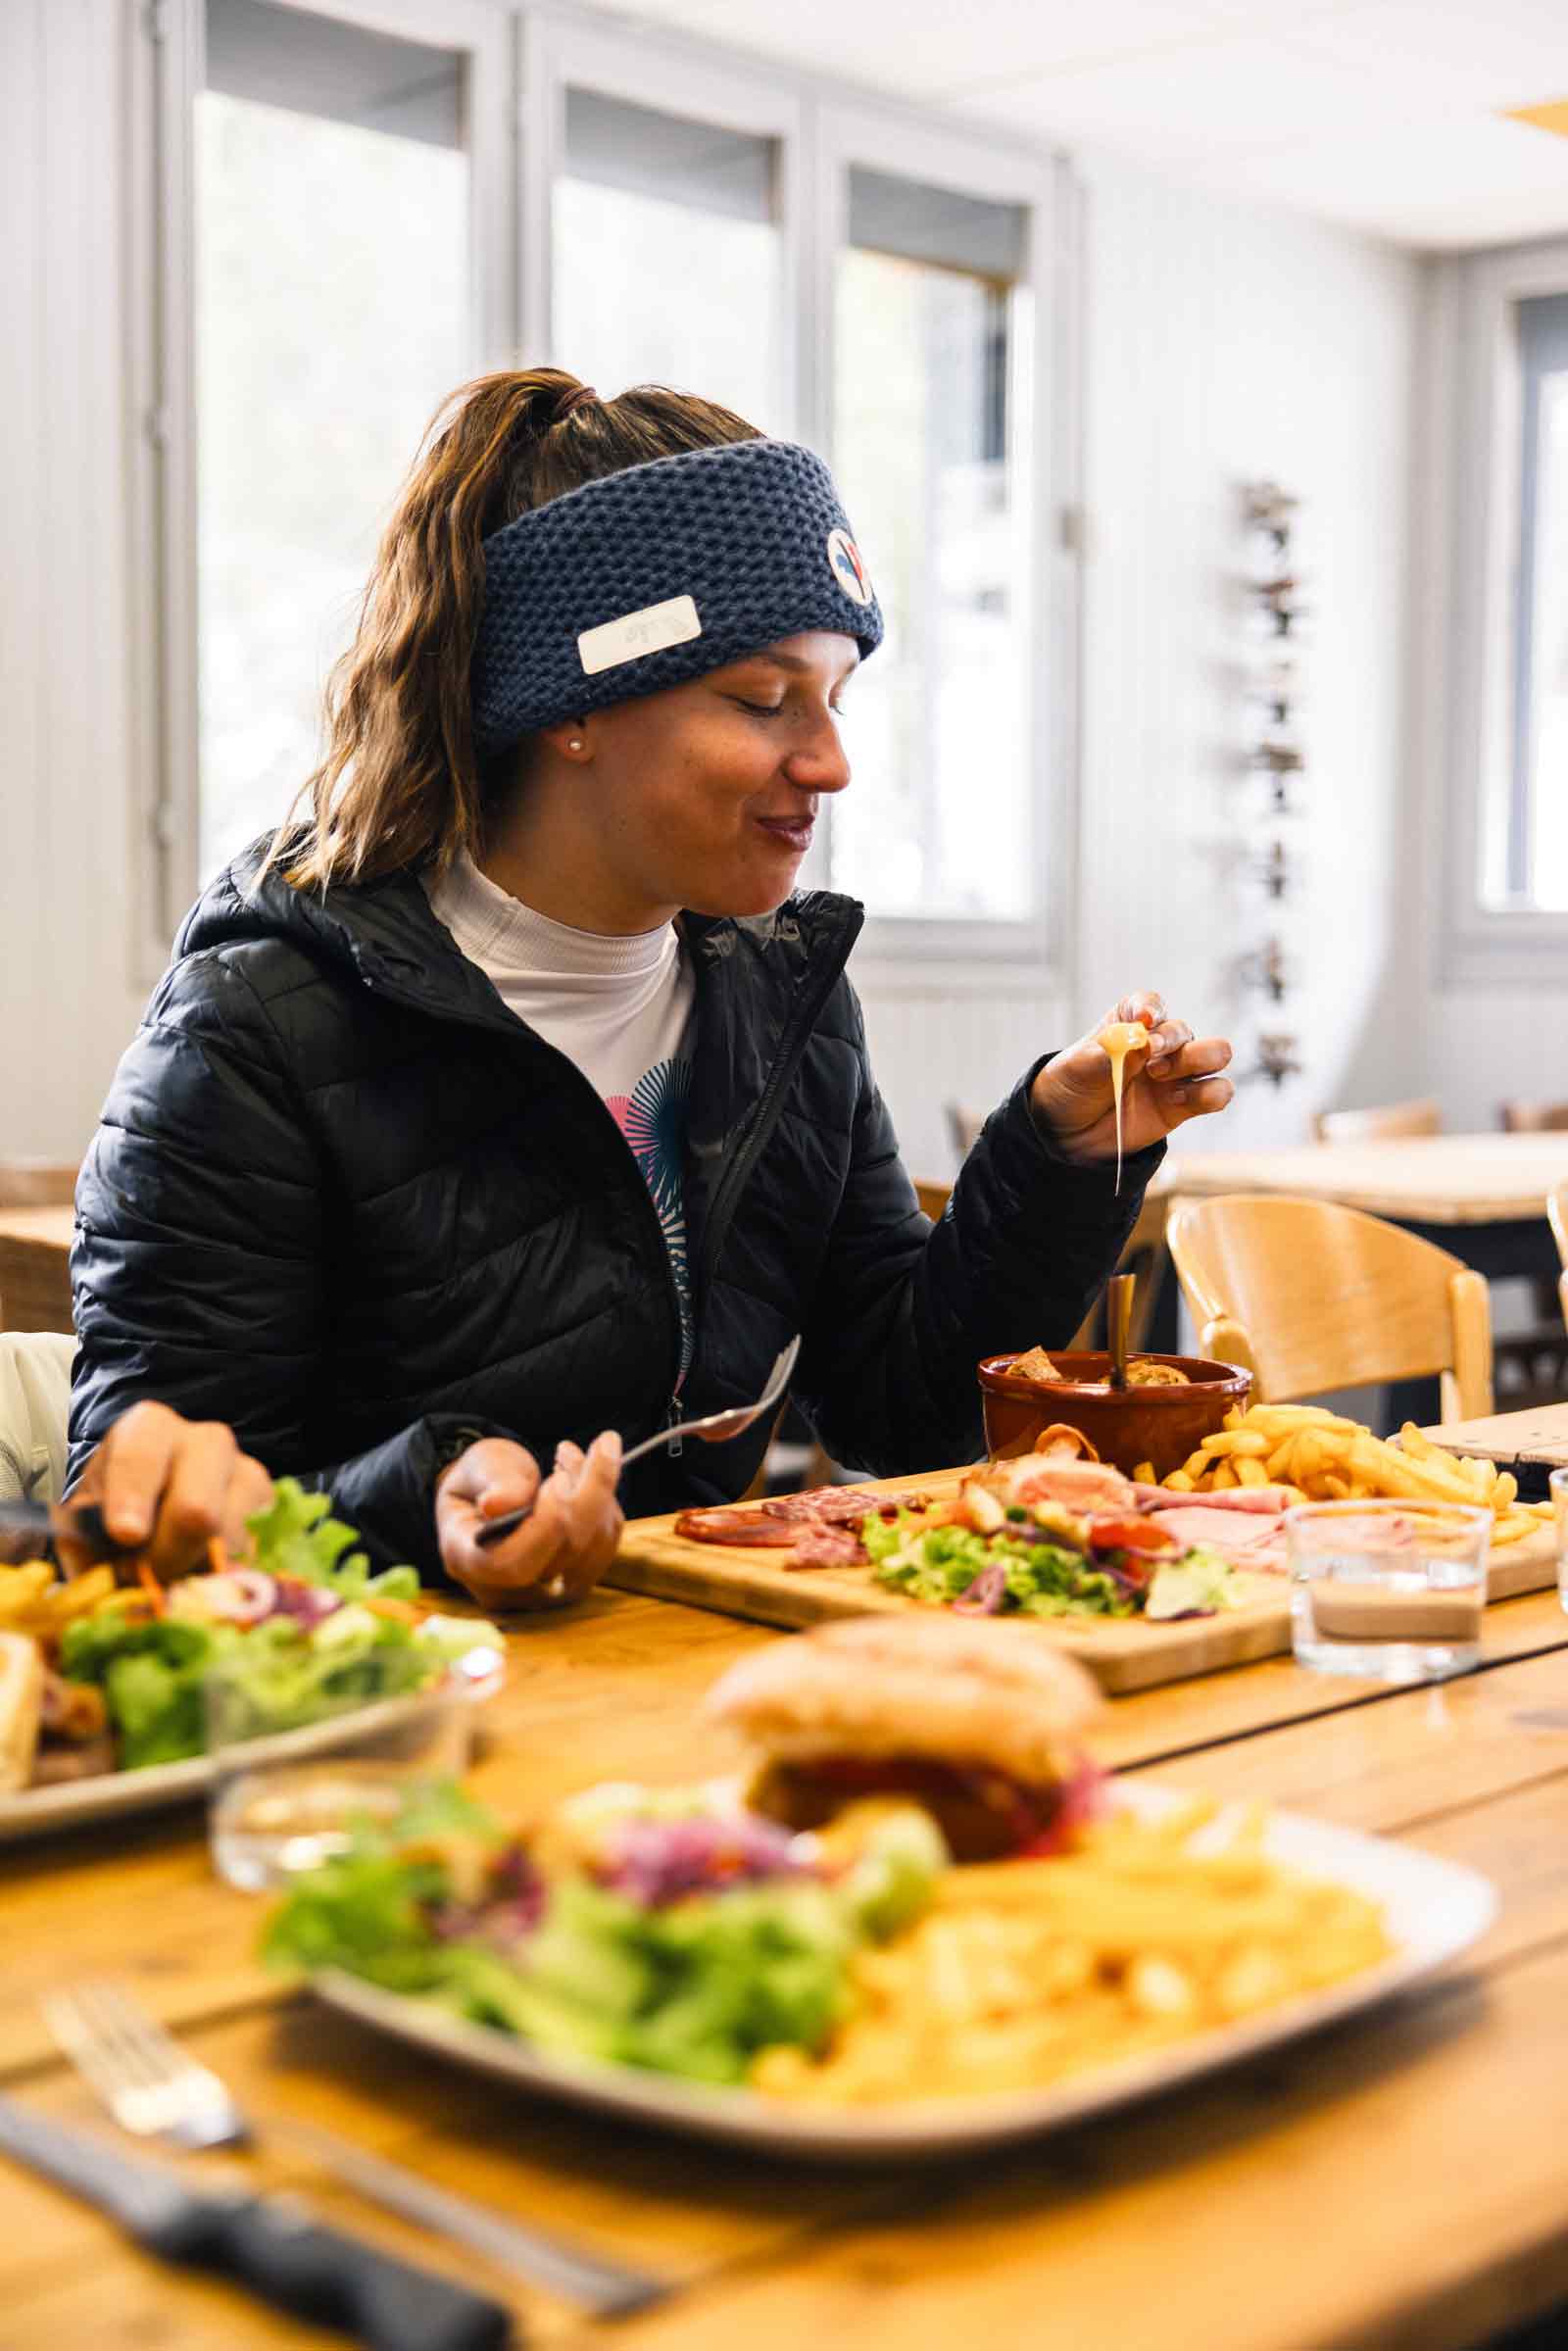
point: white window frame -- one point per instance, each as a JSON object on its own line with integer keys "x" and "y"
{"x": 520, "y": 65}
{"x": 1479, "y": 446}
{"x": 881, "y": 139}
{"x": 170, "y": 71}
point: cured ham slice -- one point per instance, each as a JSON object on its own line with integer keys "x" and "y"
{"x": 1267, "y": 1501}
{"x": 1088, "y": 1486}
{"x": 1247, "y": 1538}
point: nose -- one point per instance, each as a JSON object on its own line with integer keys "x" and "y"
{"x": 817, "y": 761}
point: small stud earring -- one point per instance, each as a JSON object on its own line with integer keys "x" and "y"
{"x": 574, "y": 742}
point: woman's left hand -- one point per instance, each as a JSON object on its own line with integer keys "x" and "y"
{"x": 1178, "y": 1078}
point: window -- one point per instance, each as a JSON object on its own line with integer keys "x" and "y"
{"x": 668, "y": 256}
{"x": 1536, "y": 834}
{"x": 332, "y": 312}
{"x": 358, "y": 204}
{"x": 926, "y": 301}
{"x": 1497, "y": 717}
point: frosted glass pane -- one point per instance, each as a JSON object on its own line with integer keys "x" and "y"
{"x": 652, "y": 290}
{"x": 936, "y": 821}
{"x": 332, "y": 318}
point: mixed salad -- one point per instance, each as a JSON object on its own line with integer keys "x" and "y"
{"x": 669, "y": 1932}
{"x": 306, "y": 1626}
{"x": 1008, "y": 1545}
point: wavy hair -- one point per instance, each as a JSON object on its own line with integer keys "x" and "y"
{"x": 400, "y": 784}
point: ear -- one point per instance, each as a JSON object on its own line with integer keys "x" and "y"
{"x": 569, "y": 738}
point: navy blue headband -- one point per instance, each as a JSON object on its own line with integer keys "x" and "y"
{"x": 654, "y": 575}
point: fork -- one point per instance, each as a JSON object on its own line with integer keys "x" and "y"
{"x": 155, "y": 2090}
{"x": 715, "y": 1428}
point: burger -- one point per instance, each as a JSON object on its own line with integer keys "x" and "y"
{"x": 978, "y": 1722}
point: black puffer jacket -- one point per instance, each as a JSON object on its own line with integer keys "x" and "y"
{"x": 345, "y": 1200}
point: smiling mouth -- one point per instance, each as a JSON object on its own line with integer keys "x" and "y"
{"x": 795, "y": 832}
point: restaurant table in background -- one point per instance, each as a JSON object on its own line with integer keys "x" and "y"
{"x": 1166, "y": 2226}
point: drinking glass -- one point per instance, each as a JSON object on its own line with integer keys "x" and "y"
{"x": 284, "y": 1801}
{"x": 1392, "y": 1591}
{"x": 1557, "y": 1486}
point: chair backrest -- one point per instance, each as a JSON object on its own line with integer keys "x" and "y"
{"x": 36, "y": 1184}
{"x": 1557, "y": 1218}
{"x": 1532, "y": 1118}
{"x": 1310, "y": 1295}
{"x": 1382, "y": 1124}
{"x": 933, "y": 1198}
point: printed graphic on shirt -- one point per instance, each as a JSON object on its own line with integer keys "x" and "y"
{"x": 652, "y": 1119}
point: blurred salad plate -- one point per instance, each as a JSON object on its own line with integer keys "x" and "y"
{"x": 102, "y": 1689}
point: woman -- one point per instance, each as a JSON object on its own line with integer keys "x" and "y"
{"x": 511, "y": 1096}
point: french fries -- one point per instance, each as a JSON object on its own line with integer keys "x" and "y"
{"x": 32, "y": 1602}
{"x": 1326, "y": 1458}
{"x": 1024, "y": 1971}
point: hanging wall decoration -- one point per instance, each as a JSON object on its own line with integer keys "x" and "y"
{"x": 1275, "y": 756}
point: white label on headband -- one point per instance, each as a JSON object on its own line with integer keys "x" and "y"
{"x": 636, "y": 633}
{"x": 848, "y": 567}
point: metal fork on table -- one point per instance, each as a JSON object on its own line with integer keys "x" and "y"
{"x": 715, "y": 1427}
{"x": 154, "y": 2088}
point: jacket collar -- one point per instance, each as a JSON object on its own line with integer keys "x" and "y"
{"x": 385, "y": 935}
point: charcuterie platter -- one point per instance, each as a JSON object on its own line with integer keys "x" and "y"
{"x": 796, "y": 1560}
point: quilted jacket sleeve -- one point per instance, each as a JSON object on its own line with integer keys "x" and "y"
{"x": 201, "y": 1258}
{"x": 905, "y": 1309}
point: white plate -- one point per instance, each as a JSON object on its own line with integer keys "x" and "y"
{"x": 109, "y": 1796}
{"x": 1434, "y": 1909}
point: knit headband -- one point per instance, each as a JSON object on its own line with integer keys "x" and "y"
{"x": 660, "y": 574}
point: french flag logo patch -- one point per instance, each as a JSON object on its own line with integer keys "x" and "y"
{"x": 848, "y": 567}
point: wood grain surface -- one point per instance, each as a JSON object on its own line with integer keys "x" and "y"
{"x": 1396, "y": 2183}
{"x": 1539, "y": 1436}
{"x": 1426, "y": 1178}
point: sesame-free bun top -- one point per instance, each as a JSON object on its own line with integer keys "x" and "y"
{"x": 961, "y": 1691}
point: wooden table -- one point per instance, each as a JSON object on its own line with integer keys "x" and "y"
{"x": 1415, "y": 1179}
{"x": 1399, "y": 2182}
{"x": 36, "y": 1268}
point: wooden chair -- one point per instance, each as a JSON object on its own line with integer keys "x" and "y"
{"x": 1532, "y": 1118}
{"x": 1310, "y": 1295}
{"x": 1384, "y": 1124}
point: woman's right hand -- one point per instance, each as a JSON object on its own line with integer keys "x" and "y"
{"x": 555, "y": 1557}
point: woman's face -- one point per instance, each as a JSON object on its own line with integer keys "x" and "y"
{"x": 705, "y": 796}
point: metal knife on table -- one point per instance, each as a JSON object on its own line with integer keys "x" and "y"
{"x": 268, "y": 2244}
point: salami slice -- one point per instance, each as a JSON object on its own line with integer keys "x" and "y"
{"x": 748, "y": 1527}
{"x": 826, "y": 1546}
{"x": 839, "y": 1505}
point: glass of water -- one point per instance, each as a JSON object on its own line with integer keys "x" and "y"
{"x": 1557, "y": 1486}
{"x": 1393, "y": 1590}
{"x": 287, "y": 1800}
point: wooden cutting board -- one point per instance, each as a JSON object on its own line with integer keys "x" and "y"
{"x": 1538, "y": 1439}
{"x": 1123, "y": 1653}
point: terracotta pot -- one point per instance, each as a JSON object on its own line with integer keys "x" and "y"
{"x": 1125, "y": 1426}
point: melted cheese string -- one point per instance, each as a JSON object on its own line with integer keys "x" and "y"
{"x": 1119, "y": 1037}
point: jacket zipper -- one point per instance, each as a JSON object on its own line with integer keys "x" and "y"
{"x": 766, "y": 1117}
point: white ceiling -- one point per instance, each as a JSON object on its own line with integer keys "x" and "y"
{"x": 1381, "y": 114}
